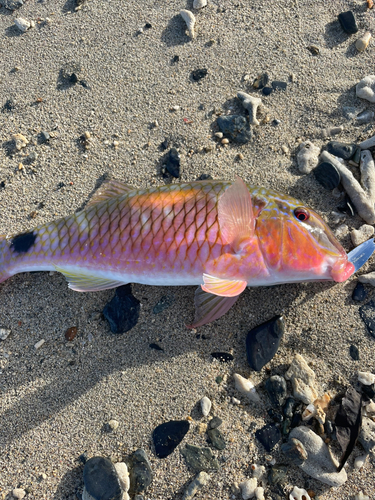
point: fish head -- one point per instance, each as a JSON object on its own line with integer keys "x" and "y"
{"x": 296, "y": 243}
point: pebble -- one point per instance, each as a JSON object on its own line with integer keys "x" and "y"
{"x": 122, "y": 312}
{"x": 354, "y": 352}
{"x": 367, "y": 313}
{"x": 173, "y": 163}
{"x": 367, "y": 435}
{"x": 366, "y": 116}
{"x": 22, "y": 24}
{"x": 4, "y": 333}
{"x": 199, "y": 4}
{"x": 267, "y": 90}
{"x": 307, "y": 157}
{"x": 276, "y": 85}
{"x": 361, "y": 496}
{"x": 19, "y": 141}
{"x": 362, "y": 234}
{"x": 251, "y": 104}
{"x": 71, "y": 333}
{"x": 367, "y": 278}
{"x": 198, "y": 74}
{"x": 362, "y": 43}
{"x": 277, "y": 473}
{"x": 319, "y": 463}
{"x": 12, "y": 4}
{"x": 248, "y": 488}
{"x": 205, "y": 406}
{"x": 366, "y": 90}
{"x": 348, "y": 22}
{"x": 197, "y": 484}
{"x": 168, "y": 436}
{"x": 246, "y": 387}
{"x": 327, "y": 175}
{"x": 236, "y": 127}
{"x": 268, "y": 436}
{"x": 214, "y": 423}
{"x": 295, "y": 451}
{"x": 112, "y": 425}
{"x": 360, "y": 461}
{"x": 366, "y": 378}
{"x": 276, "y": 389}
{"x": 140, "y": 472}
{"x": 18, "y": 493}
{"x": 189, "y": 19}
{"x": 200, "y": 458}
{"x": 261, "y": 81}
{"x": 288, "y": 408}
{"x": 101, "y": 481}
{"x": 299, "y": 494}
{"x": 369, "y": 410}
{"x": 330, "y": 131}
{"x": 223, "y": 357}
{"x": 263, "y": 341}
{"x": 303, "y": 380}
{"x": 341, "y": 149}
{"x": 259, "y": 493}
{"x": 219, "y": 135}
{"x": 123, "y": 475}
{"x": 216, "y": 439}
{"x": 39, "y": 344}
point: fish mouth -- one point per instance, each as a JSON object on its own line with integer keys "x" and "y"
{"x": 353, "y": 261}
{"x": 342, "y": 270}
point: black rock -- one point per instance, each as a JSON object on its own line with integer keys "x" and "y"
{"x": 148, "y": 26}
{"x": 200, "y": 458}
{"x": 198, "y": 74}
{"x": 348, "y": 422}
{"x": 354, "y": 352}
{"x": 173, "y": 162}
{"x": 296, "y": 419}
{"x": 288, "y": 408}
{"x": 348, "y": 22}
{"x": 295, "y": 451}
{"x": 275, "y": 415}
{"x": 359, "y": 293}
{"x": 224, "y": 357}
{"x": 267, "y": 90}
{"x": 341, "y": 149}
{"x": 216, "y": 439}
{"x": 276, "y": 85}
{"x": 346, "y": 207}
{"x": 268, "y": 436}
{"x": 44, "y": 137}
{"x": 327, "y": 175}
{"x": 101, "y": 480}
{"x": 175, "y": 59}
{"x": 368, "y": 391}
{"x": 122, "y": 312}
{"x": 263, "y": 341}
{"x": 169, "y": 435}
{"x": 367, "y": 313}
{"x": 261, "y": 81}
{"x": 287, "y": 424}
{"x": 236, "y": 127}
{"x": 140, "y": 473}
{"x": 329, "y": 429}
{"x": 156, "y": 347}
{"x": 276, "y": 389}
{"x": 277, "y": 473}
{"x": 164, "y": 302}
{"x": 204, "y": 177}
{"x": 214, "y": 423}
{"x": 2, "y": 184}
{"x": 164, "y": 145}
{"x": 12, "y": 4}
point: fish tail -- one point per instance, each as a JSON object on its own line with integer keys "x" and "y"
{"x": 4, "y": 258}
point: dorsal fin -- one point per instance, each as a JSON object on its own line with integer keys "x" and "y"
{"x": 110, "y": 189}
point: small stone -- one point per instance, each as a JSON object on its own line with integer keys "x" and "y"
{"x": 277, "y": 474}
{"x": 367, "y": 278}
{"x": 367, "y": 435}
{"x": 263, "y": 341}
{"x": 299, "y": 494}
{"x": 236, "y": 127}
{"x": 197, "y": 484}
{"x": 168, "y": 436}
{"x": 314, "y": 50}
{"x": 175, "y": 108}
{"x": 12, "y": 4}
{"x": 219, "y": 135}
{"x": 307, "y": 157}
{"x": 123, "y": 475}
{"x": 276, "y": 389}
{"x": 199, "y": 4}
{"x": 189, "y": 19}
{"x": 359, "y": 293}
{"x": 22, "y": 24}
{"x": 122, "y": 312}
{"x": 366, "y": 116}
{"x": 276, "y": 85}
{"x": 319, "y": 463}
{"x": 261, "y": 81}
{"x": 330, "y": 131}
{"x": 303, "y": 380}
{"x": 216, "y": 439}
{"x": 268, "y": 436}
{"x": 288, "y": 408}
{"x": 4, "y": 333}
{"x": 173, "y": 163}
{"x": 361, "y": 496}
{"x": 200, "y": 458}
{"x": 198, "y": 74}
{"x": 362, "y": 234}
{"x": 367, "y": 313}
{"x": 295, "y": 451}
{"x": 366, "y": 90}
{"x": 18, "y": 493}
{"x": 19, "y": 141}
{"x": 360, "y": 461}
{"x": 214, "y": 423}
{"x": 44, "y": 137}
{"x": 140, "y": 472}
{"x": 366, "y": 378}
{"x": 246, "y": 387}
{"x": 205, "y": 406}
{"x": 327, "y": 175}
{"x": 348, "y": 22}
{"x": 341, "y": 149}
{"x": 39, "y": 344}
{"x": 223, "y": 357}
{"x": 225, "y": 141}
{"x": 71, "y": 333}
{"x": 248, "y": 488}
{"x": 362, "y": 43}
{"x": 259, "y": 493}
{"x": 112, "y": 425}
{"x": 267, "y": 90}
{"x": 354, "y": 352}
{"x": 101, "y": 480}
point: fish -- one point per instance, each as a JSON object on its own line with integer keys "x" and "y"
{"x": 223, "y": 236}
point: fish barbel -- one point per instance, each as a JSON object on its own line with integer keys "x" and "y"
{"x": 221, "y": 235}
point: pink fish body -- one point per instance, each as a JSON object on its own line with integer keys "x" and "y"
{"x": 223, "y": 236}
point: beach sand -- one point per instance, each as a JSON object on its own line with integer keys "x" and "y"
{"x": 56, "y": 400}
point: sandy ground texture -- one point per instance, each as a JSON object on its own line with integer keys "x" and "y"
{"x": 55, "y": 400}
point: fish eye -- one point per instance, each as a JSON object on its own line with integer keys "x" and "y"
{"x": 301, "y": 214}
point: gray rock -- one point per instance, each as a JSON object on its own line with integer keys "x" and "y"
{"x": 303, "y": 380}
{"x": 319, "y": 463}
{"x": 235, "y": 127}
{"x": 216, "y": 439}
{"x": 367, "y": 435}
{"x": 276, "y": 389}
{"x": 12, "y": 4}
{"x": 200, "y": 458}
{"x": 140, "y": 473}
{"x": 198, "y": 483}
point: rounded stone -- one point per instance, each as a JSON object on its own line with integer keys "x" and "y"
{"x": 101, "y": 479}
{"x": 327, "y": 175}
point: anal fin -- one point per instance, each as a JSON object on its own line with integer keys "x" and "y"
{"x": 209, "y": 307}
{"x": 85, "y": 282}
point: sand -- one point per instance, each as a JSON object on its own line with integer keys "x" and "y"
{"x": 56, "y": 400}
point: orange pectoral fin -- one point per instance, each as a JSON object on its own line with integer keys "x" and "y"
{"x": 224, "y": 288}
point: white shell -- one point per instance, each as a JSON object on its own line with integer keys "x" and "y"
{"x": 366, "y": 88}
{"x": 189, "y": 19}
{"x": 199, "y": 4}
{"x": 362, "y": 43}
{"x": 366, "y": 378}
{"x": 205, "y": 406}
{"x": 307, "y": 157}
{"x": 362, "y": 234}
{"x": 251, "y": 104}
{"x": 247, "y": 387}
{"x": 22, "y": 24}
{"x": 299, "y": 494}
{"x": 248, "y": 488}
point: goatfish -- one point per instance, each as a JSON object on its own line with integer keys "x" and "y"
{"x": 222, "y": 236}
